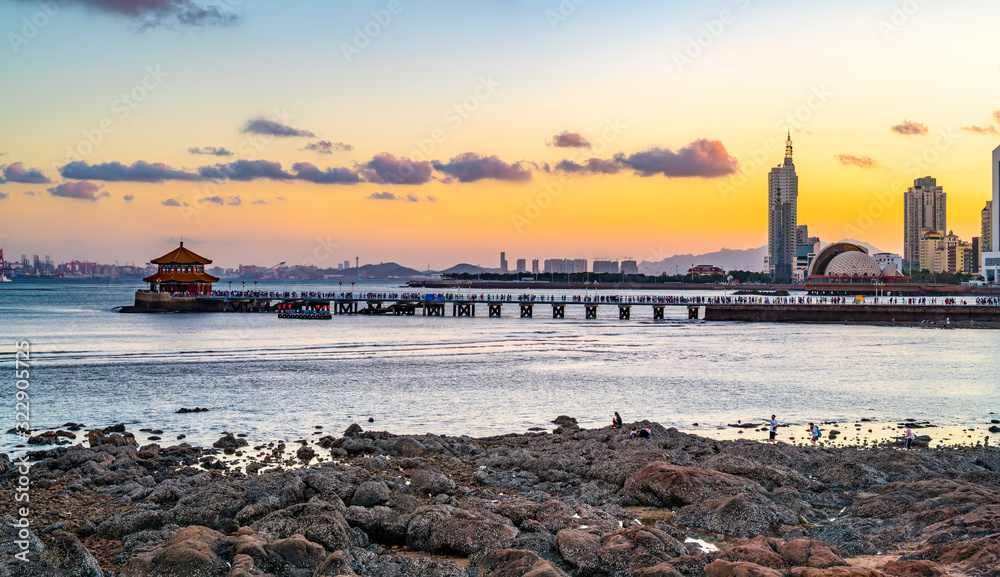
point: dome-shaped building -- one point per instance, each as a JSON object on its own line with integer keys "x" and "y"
{"x": 853, "y": 264}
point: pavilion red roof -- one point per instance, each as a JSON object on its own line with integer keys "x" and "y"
{"x": 180, "y": 277}
{"x": 181, "y": 255}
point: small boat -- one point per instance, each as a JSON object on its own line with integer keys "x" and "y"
{"x": 306, "y": 315}
{"x": 3, "y": 278}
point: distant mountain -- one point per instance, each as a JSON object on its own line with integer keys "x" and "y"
{"x": 465, "y": 268}
{"x": 381, "y": 270}
{"x": 727, "y": 258}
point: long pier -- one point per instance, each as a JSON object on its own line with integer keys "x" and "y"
{"x": 884, "y": 310}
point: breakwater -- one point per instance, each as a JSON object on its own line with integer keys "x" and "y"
{"x": 956, "y": 315}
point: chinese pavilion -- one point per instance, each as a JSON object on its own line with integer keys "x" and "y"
{"x": 181, "y": 271}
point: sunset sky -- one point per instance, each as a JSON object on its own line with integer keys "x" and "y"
{"x": 438, "y": 132}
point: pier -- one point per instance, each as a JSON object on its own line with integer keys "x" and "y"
{"x": 884, "y": 310}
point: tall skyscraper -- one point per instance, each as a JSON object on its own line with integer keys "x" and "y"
{"x": 522, "y": 266}
{"x": 986, "y": 231}
{"x": 990, "y": 268}
{"x": 534, "y": 266}
{"x": 503, "y": 263}
{"x": 782, "y": 218}
{"x": 924, "y": 208}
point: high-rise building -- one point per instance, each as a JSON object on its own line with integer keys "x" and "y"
{"x": 990, "y": 268}
{"x": 522, "y": 266}
{"x": 534, "y": 266}
{"x": 580, "y": 265}
{"x": 924, "y": 208}
{"x": 976, "y": 255}
{"x": 605, "y": 267}
{"x": 503, "y": 263}
{"x": 782, "y": 207}
{"x": 630, "y": 267}
{"x": 986, "y": 229}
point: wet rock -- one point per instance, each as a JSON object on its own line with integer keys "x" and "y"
{"x": 407, "y": 447}
{"x": 371, "y": 493}
{"x": 430, "y": 481}
{"x": 130, "y": 522}
{"x": 67, "y": 557}
{"x": 305, "y": 453}
{"x": 517, "y": 563}
{"x": 742, "y": 515}
{"x": 319, "y": 522}
{"x": 564, "y": 421}
{"x": 810, "y": 553}
{"x": 468, "y": 532}
{"x": 193, "y": 550}
{"x": 760, "y": 550}
{"x": 672, "y": 486}
{"x": 914, "y": 569}
{"x": 354, "y": 430}
{"x": 635, "y": 547}
{"x": 580, "y": 550}
{"x": 298, "y": 552}
{"x": 230, "y": 441}
{"x": 184, "y": 410}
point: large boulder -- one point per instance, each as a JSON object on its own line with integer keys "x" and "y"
{"x": 297, "y": 552}
{"x": 810, "y": 553}
{"x": 914, "y": 569}
{"x": 431, "y": 481}
{"x": 638, "y": 546}
{"x": 319, "y": 522}
{"x": 407, "y": 447}
{"x": 517, "y": 563}
{"x": 371, "y": 493}
{"x": 763, "y": 551}
{"x": 468, "y": 532}
{"x": 193, "y": 551}
{"x": 67, "y": 557}
{"x": 119, "y": 526}
{"x": 334, "y": 565}
{"x": 230, "y": 441}
{"x": 422, "y": 525}
{"x": 659, "y": 484}
{"x": 722, "y": 568}
{"x": 741, "y": 515}
{"x": 580, "y": 550}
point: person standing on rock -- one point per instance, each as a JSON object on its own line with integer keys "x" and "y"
{"x": 772, "y": 430}
{"x": 814, "y": 433}
{"x": 908, "y": 437}
{"x": 616, "y": 423}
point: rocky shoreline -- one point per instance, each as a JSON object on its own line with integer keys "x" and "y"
{"x": 580, "y": 502}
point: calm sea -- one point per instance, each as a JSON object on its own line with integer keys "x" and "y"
{"x": 273, "y": 378}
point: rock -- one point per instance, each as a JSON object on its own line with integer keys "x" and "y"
{"x": 517, "y": 563}
{"x": 659, "y": 570}
{"x": 318, "y": 521}
{"x": 518, "y": 510}
{"x": 672, "y": 486}
{"x": 629, "y": 548}
{"x": 431, "y": 481}
{"x": 721, "y": 568}
{"x": 305, "y": 453}
{"x": 192, "y": 551}
{"x": 69, "y": 558}
{"x": 810, "y": 553}
{"x": 914, "y": 569}
{"x": 742, "y": 515}
{"x": 119, "y": 428}
{"x": 183, "y": 410}
{"x": 370, "y": 493}
{"x": 230, "y": 441}
{"x": 407, "y": 447}
{"x": 133, "y": 521}
{"x": 468, "y": 532}
{"x": 354, "y": 430}
{"x": 857, "y": 571}
{"x": 98, "y": 438}
{"x": 580, "y": 550}
{"x": 298, "y": 552}
{"x": 335, "y": 564}
{"x": 564, "y": 421}
{"x": 760, "y": 550}
{"x": 994, "y": 429}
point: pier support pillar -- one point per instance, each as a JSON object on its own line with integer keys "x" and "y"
{"x": 693, "y": 312}
{"x": 658, "y": 312}
{"x": 433, "y": 309}
{"x": 558, "y": 311}
{"x": 494, "y": 310}
{"x": 526, "y": 311}
{"x": 590, "y": 311}
{"x": 463, "y": 310}
{"x": 624, "y": 312}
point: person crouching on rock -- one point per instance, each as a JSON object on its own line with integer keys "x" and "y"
{"x": 642, "y": 433}
{"x": 616, "y": 423}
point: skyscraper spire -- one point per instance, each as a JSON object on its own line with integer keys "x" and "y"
{"x": 788, "y": 146}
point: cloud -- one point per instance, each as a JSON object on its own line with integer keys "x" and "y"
{"x": 3, "y": 195}
{"x": 260, "y": 201}
{"x": 702, "y": 158}
{"x": 15, "y": 172}
{"x": 327, "y": 147}
{"x": 909, "y": 128}
{"x": 981, "y": 130}
{"x": 431, "y": 198}
{"x": 310, "y": 173}
{"x": 170, "y": 202}
{"x": 387, "y": 169}
{"x": 164, "y": 13}
{"x": 31, "y": 193}
{"x": 129, "y": 197}
{"x": 857, "y": 161}
{"x": 567, "y": 139}
{"x": 231, "y": 201}
{"x": 264, "y": 126}
{"x": 245, "y": 170}
{"x": 470, "y": 167}
{"x": 593, "y": 166}
{"x": 140, "y": 171}
{"x": 210, "y": 150}
{"x": 78, "y": 190}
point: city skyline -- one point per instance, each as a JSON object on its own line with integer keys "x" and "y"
{"x": 392, "y": 145}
